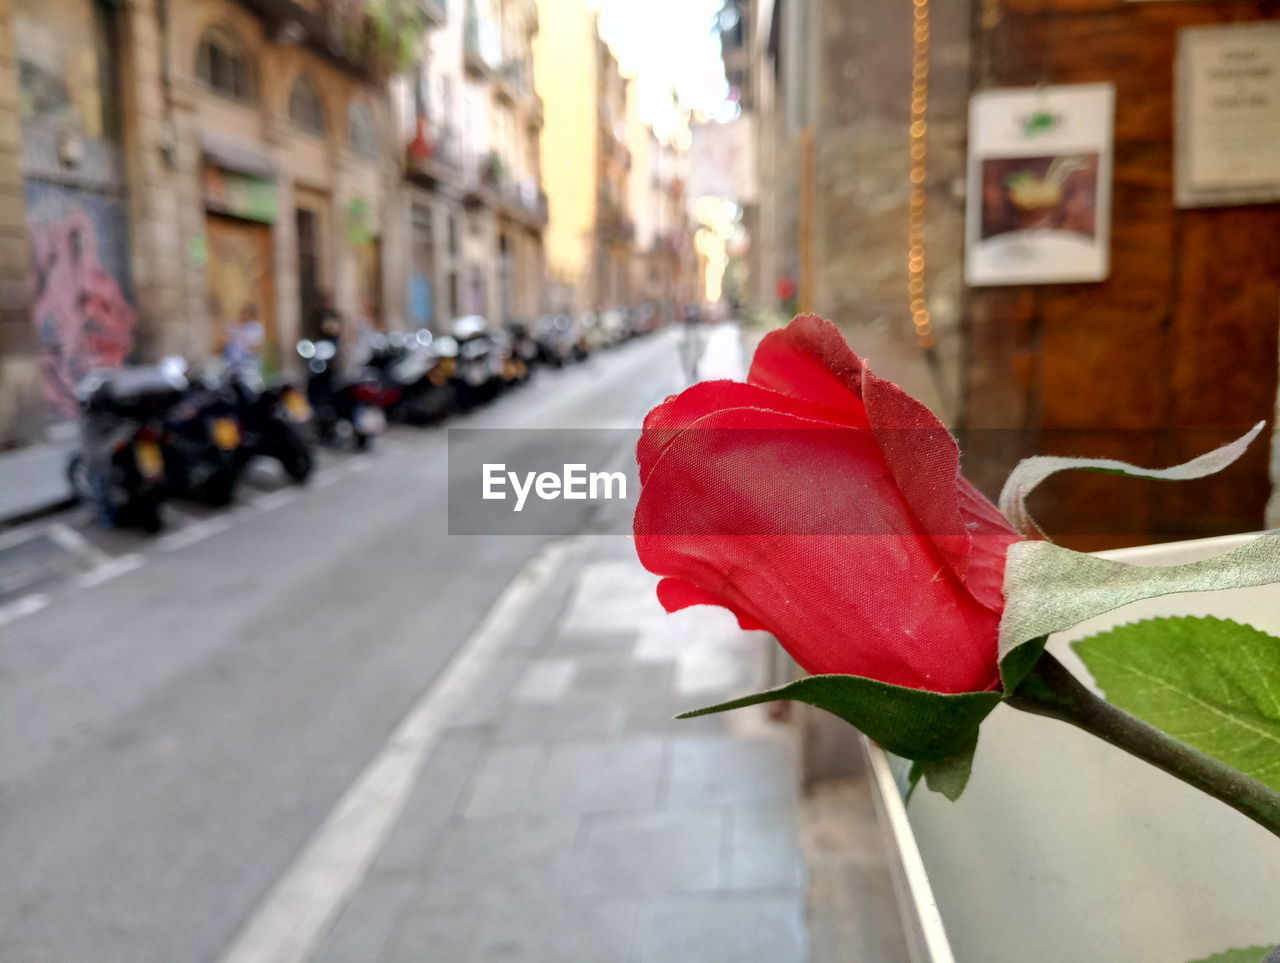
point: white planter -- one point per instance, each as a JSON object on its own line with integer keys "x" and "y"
{"x": 1065, "y": 850}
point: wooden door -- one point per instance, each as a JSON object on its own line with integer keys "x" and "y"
{"x": 241, "y": 275}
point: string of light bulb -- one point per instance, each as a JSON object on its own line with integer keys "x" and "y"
{"x": 920, "y": 318}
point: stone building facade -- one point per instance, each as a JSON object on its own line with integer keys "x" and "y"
{"x": 663, "y": 270}
{"x": 170, "y": 169}
{"x": 181, "y": 167}
{"x": 619, "y": 231}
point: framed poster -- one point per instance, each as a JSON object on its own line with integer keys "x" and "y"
{"x": 1227, "y": 130}
{"x": 1039, "y": 185}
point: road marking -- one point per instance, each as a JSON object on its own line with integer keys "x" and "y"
{"x": 299, "y": 908}
{"x": 20, "y": 535}
{"x": 77, "y": 544}
{"x": 27, "y": 605}
{"x": 196, "y": 532}
{"x": 110, "y": 569}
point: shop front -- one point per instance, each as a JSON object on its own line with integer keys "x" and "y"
{"x": 240, "y": 210}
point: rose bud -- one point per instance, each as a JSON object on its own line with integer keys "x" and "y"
{"x": 826, "y": 506}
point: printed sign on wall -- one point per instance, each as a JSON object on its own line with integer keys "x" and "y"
{"x": 1039, "y": 185}
{"x": 1228, "y": 129}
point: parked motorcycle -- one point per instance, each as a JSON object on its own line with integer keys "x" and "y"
{"x": 524, "y": 350}
{"x": 202, "y": 437}
{"x": 119, "y": 468}
{"x": 558, "y": 340}
{"x": 478, "y": 374}
{"x": 415, "y": 377}
{"x": 343, "y": 406}
{"x": 271, "y": 418}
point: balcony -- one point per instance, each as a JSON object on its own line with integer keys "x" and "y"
{"x": 514, "y": 83}
{"x": 613, "y": 225}
{"x": 340, "y": 32}
{"x": 484, "y": 177}
{"x": 431, "y": 158}
{"x": 527, "y": 203}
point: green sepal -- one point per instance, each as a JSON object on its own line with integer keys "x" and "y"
{"x": 1019, "y": 660}
{"x": 947, "y": 776}
{"x": 912, "y": 723}
{"x": 1048, "y": 588}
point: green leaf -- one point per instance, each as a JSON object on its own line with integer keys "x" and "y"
{"x": 1212, "y": 683}
{"x": 1250, "y": 954}
{"x": 925, "y": 726}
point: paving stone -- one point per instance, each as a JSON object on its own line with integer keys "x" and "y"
{"x": 540, "y": 620}
{"x": 725, "y": 928}
{"x": 364, "y": 927}
{"x": 601, "y": 776}
{"x": 560, "y": 931}
{"x": 547, "y": 680}
{"x": 499, "y": 857}
{"x": 621, "y": 677}
{"x": 557, "y": 723}
{"x": 658, "y": 852}
{"x": 429, "y": 933}
{"x": 431, "y": 804}
{"x": 576, "y": 641}
{"x": 487, "y": 704}
{"x": 724, "y": 771}
{"x": 504, "y": 780}
{"x": 763, "y": 848}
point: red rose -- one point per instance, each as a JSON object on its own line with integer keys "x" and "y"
{"x": 825, "y": 505}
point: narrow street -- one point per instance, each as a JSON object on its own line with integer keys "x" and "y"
{"x": 179, "y": 714}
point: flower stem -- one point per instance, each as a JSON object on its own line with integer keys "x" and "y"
{"x": 1050, "y": 690}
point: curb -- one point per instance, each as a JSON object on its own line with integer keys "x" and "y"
{"x": 36, "y": 514}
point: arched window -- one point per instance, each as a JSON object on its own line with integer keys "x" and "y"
{"x": 222, "y": 62}
{"x": 305, "y": 107}
{"x": 361, "y": 136}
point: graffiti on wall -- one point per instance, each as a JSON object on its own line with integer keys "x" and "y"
{"x": 80, "y": 298}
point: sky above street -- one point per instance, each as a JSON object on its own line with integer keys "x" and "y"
{"x": 667, "y": 44}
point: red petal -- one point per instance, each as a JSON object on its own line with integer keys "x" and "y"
{"x": 679, "y": 593}
{"x": 809, "y": 359}
{"x": 925, "y": 460}
{"x": 991, "y": 536}
{"x": 882, "y": 604}
{"x": 680, "y": 412}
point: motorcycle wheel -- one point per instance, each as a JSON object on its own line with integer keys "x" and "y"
{"x": 219, "y": 489}
{"x": 144, "y": 512}
{"x": 295, "y": 458}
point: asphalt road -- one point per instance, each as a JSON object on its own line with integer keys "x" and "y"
{"x": 178, "y": 715}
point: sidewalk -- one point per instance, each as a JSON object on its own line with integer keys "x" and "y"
{"x": 34, "y": 478}
{"x": 568, "y": 817}
{"x": 564, "y": 816}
